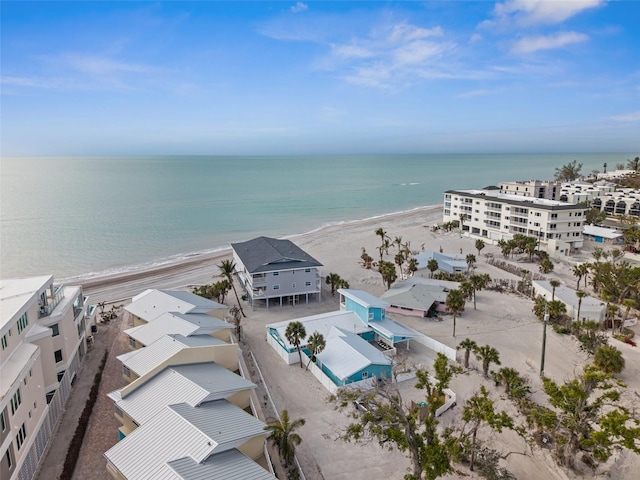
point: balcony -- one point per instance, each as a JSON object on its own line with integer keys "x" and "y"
{"x": 53, "y": 297}
{"x": 260, "y": 279}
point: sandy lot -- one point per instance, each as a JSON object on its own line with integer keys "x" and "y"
{"x": 505, "y": 321}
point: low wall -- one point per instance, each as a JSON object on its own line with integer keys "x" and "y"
{"x": 434, "y": 345}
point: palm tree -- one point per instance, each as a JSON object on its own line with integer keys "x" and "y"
{"x": 398, "y": 243}
{"x": 580, "y": 271}
{"x": 554, "y": 284}
{"x": 399, "y": 260}
{"x": 333, "y": 279}
{"x": 284, "y": 437}
{"x": 316, "y": 344}
{"x": 478, "y": 282}
{"x": 629, "y": 303}
{"x": 468, "y": 345}
{"x": 580, "y": 294}
{"x": 432, "y": 265}
{"x": 228, "y": 270}
{"x": 479, "y": 245}
{"x": 471, "y": 260}
{"x": 295, "y": 333}
{"x": 455, "y": 303}
{"x": 412, "y": 266}
{"x": 487, "y": 355}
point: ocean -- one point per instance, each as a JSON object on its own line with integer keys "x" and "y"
{"x": 80, "y": 218}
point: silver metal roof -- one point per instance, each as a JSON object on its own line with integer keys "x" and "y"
{"x": 191, "y": 384}
{"x": 152, "y": 303}
{"x": 180, "y": 431}
{"x": 176, "y": 323}
{"x": 230, "y": 465}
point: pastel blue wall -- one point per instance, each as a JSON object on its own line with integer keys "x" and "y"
{"x": 363, "y": 312}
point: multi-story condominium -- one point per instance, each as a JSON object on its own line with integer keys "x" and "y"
{"x": 43, "y": 329}
{"x": 604, "y": 196}
{"x": 495, "y": 216}
{"x": 269, "y": 268}
{"x": 532, "y": 188}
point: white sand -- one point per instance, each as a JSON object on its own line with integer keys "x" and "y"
{"x": 504, "y": 321}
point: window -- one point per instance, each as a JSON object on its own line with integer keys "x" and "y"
{"x": 275, "y": 274}
{"x": 22, "y": 322}
{"x": 293, "y": 285}
{"x": 307, "y": 284}
{"x": 276, "y": 287}
{"x": 370, "y": 315}
{"x": 9, "y": 459}
{"x": 16, "y": 400}
{"x": 58, "y": 356}
{"x": 365, "y": 375}
{"x": 60, "y": 375}
{"x": 554, "y": 215}
{"x": 307, "y": 270}
{"x": 50, "y": 397}
{"x": 4, "y": 342}
{"x": 3, "y": 421}
{"x": 55, "y": 331}
{"x": 21, "y": 436}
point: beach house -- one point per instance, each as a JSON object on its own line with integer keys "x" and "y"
{"x": 493, "y": 216}
{"x": 419, "y": 297}
{"x": 591, "y": 308}
{"x": 272, "y": 269}
{"x": 44, "y": 329}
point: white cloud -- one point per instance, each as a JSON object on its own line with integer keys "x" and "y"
{"x": 547, "y": 42}
{"x": 404, "y": 32}
{"x": 352, "y": 51}
{"x": 539, "y": 12}
{"x": 299, "y": 7}
{"x": 627, "y": 117}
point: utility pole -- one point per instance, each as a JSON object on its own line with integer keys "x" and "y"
{"x": 544, "y": 338}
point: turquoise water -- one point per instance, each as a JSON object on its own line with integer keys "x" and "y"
{"x": 88, "y": 216}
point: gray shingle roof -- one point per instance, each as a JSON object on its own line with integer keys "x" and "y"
{"x": 264, "y": 254}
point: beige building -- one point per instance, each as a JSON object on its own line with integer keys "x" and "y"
{"x": 43, "y": 329}
{"x": 532, "y": 188}
{"x": 494, "y": 216}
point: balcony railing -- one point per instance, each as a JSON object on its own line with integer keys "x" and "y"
{"x": 52, "y": 301}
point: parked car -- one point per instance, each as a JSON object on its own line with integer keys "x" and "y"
{"x": 366, "y": 407}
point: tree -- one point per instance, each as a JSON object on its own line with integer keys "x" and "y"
{"x": 633, "y": 164}
{"x": 595, "y": 216}
{"x": 432, "y": 265}
{"x": 546, "y": 265}
{"x": 336, "y": 282}
{"x": 366, "y": 260}
{"x": 471, "y": 261}
{"x": 580, "y": 294}
{"x": 236, "y": 316}
{"x": 455, "y": 303}
{"x": 284, "y": 437}
{"x": 590, "y": 336}
{"x": 316, "y": 344}
{"x": 412, "y": 266}
{"x": 580, "y": 271}
{"x": 295, "y": 333}
{"x": 568, "y": 172}
{"x": 479, "y": 245}
{"x": 401, "y": 426}
{"x": 478, "y": 282}
{"x": 581, "y": 424}
{"x": 554, "y": 284}
{"x": 388, "y": 272}
{"x": 477, "y": 410}
{"x": 609, "y": 359}
{"x": 468, "y": 345}
{"x": 228, "y": 270}
{"x": 487, "y": 355}
{"x": 399, "y": 261}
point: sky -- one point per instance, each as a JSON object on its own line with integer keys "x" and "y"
{"x": 318, "y": 77}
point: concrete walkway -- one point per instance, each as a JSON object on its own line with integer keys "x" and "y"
{"x": 53, "y": 461}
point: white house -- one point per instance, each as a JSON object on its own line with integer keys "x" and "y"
{"x": 591, "y": 308}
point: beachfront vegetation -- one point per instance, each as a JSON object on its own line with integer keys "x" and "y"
{"x": 609, "y": 359}
{"x": 217, "y": 291}
{"x": 455, "y": 304}
{"x": 468, "y": 346}
{"x": 568, "y": 172}
{"x": 545, "y": 265}
{"x": 336, "y": 282}
{"x": 366, "y": 260}
{"x": 388, "y": 272}
{"x": 477, "y": 283}
{"x": 479, "y": 245}
{"x": 295, "y": 333}
{"x": 284, "y": 437}
{"x": 228, "y": 270}
{"x": 595, "y": 216}
{"x": 432, "y": 266}
{"x": 316, "y": 344}
{"x": 487, "y": 355}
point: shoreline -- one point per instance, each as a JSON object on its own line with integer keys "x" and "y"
{"x": 201, "y": 268}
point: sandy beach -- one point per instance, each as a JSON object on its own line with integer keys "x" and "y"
{"x": 505, "y": 321}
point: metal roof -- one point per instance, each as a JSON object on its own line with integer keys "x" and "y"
{"x": 603, "y": 232}
{"x": 191, "y": 384}
{"x": 152, "y": 303}
{"x": 390, "y": 328}
{"x": 230, "y": 465}
{"x": 568, "y": 296}
{"x": 347, "y": 353}
{"x": 176, "y": 323}
{"x": 145, "y": 359}
{"x": 363, "y": 298}
{"x": 179, "y": 431}
{"x": 264, "y": 254}
{"x": 417, "y": 296}
{"x": 322, "y": 323}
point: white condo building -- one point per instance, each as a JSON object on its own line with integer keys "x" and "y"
{"x": 43, "y": 329}
{"x": 491, "y": 215}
